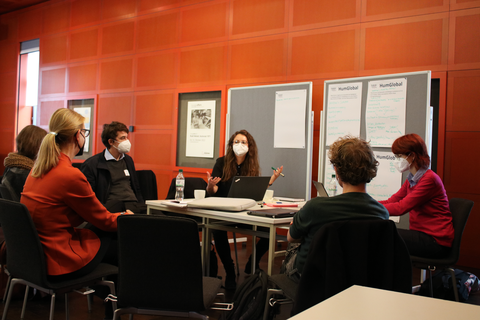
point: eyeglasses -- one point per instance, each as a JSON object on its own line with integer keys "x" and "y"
{"x": 240, "y": 141}
{"x": 86, "y": 131}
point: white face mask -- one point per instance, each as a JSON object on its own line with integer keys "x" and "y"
{"x": 124, "y": 146}
{"x": 240, "y": 149}
{"x": 401, "y": 164}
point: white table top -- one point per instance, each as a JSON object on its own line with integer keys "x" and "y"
{"x": 363, "y": 303}
{"x": 230, "y": 216}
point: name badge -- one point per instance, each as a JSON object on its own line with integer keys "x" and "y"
{"x": 127, "y": 173}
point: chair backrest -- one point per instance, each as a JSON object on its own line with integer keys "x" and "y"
{"x": 5, "y": 193}
{"x": 191, "y": 184}
{"x": 460, "y": 209}
{"x": 25, "y": 257}
{"x": 362, "y": 252}
{"x": 148, "y": 184}
{"x": 159, "y": 263}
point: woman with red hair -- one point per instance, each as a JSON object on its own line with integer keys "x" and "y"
{"x": 424, "y": 196}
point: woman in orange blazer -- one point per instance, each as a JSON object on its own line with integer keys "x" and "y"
{"x": 60, "y": 198}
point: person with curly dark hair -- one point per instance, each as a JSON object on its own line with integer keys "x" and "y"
{"x": 355, "y": 166}
{"x": 424, "y": 196}
{"x": 241, "y": 159}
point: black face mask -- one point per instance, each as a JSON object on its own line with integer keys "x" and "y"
{"x": 80, "y": 152}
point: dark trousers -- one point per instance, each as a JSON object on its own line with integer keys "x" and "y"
{"x": 421, "y": 244}
{"x": 223, "y": 249}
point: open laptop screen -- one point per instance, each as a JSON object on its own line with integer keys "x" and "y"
{"x": 248, "y": 187}
{"x": 320, "y": 189}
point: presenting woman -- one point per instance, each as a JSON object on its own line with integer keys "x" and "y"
{"x": 60, "y": 198}
{"x": 241, "y": 159}
{"x": 424, "y": 196}
{"x": 18, "y": 164}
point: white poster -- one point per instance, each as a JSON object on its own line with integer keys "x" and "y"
{"x": 388, "y": 180}
{"x": 385, "y": 111}
{"x": 85, "y": 112}
{"x": 200, "y": 129}
{"x": 289, "y": 122}
{"x": 344, "y": 109}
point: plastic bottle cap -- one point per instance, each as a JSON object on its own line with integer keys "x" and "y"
{"x": 181, "y": 170}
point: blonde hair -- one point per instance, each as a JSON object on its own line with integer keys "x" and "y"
{"x": 63, "y": 126}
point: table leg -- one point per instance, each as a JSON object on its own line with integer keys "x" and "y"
{"x": 206, "y": 246}
{"x": 271, "y": 249}
{"x": 254, "y": 251}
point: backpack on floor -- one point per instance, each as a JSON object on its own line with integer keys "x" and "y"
{"x": 249, "y": 298}
{"x": 443, "y": 288}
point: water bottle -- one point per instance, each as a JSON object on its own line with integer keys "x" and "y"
{"x": 179, "y": 185}
{"x": 332, "y": 186}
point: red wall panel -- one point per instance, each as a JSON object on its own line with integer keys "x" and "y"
{"x": 202, "y": 64}
{"x": 85, "y": 12}
{"x": 160, "y": 154}
{"x": 405, "y": 44}
{"x": 323, "y": 52}
{"x": 256, "y": 16}
{"x": 53, "y": 81}
{"x": 463, "y": 103}
{"x": 47, "y": 108}
{"x": 117, "y": 107}
{"x": 158, "y": 31}
{"x": 9, "y": 57}
{"x": 149, "y": 5}
{"x": 376, "y": 7}
{"x": 118, "y": 8}
{"x": 155, "y": 110}
{"x": 258, "y": 59}
{"x": 29, "y": 25}
{"x": 7, "y": 120}
{"x": 308, "y": 12}
{"x": 116, "y": 74}
{"x": 84, "y": 44}
{"x": 82, "y": 77}
{"x": 467, "y": 38}
{"x": 461, "y": 153}
{"x": 54, "y": 49}
{"x": 157, "y": 70}
{"x": 204, "y": 22}
{"x": 56, "y": 18}
{"x": 118, "y": 38}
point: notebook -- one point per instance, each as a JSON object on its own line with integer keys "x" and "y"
{"x": 320, "y": 189}
{"x": 273, "y": 213}
{"x": 248, "y": 187}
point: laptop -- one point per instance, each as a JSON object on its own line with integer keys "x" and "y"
{"x": 320, "y": 189}
{"x": 248, "y": 187}
{"x": 273, "y": 213}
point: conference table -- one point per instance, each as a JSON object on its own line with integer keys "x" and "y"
{"x": 227, "y": 221}
{"x": 363, "y": 303}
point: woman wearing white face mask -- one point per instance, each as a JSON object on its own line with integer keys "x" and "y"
{"x": 241, "y": 159}
{"x": 423, "y": 195}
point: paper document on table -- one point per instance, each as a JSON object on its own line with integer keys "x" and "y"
{"x": 175, "y": 203}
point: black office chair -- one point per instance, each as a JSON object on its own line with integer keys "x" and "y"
{"x": 192, "y": 184}
{"x": 460, "y": 209}
{"x": 160, "y": 269}
{"x": 343, "y": 253}
{"x": 148, "y": 184}
{"x": 26, "y": 260}
{"x": 5, "y": 193}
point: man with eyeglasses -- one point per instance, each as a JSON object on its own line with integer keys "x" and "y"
{"x": 112, "y": 174}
